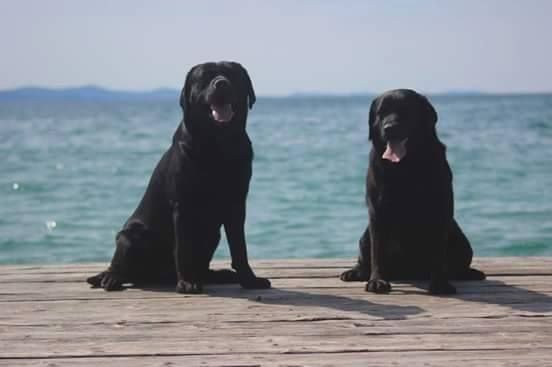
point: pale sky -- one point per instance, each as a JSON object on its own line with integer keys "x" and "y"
{"x": 287, "y": 46}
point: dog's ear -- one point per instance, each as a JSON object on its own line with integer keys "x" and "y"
{"x": 251, "y": 97}
{"x": 250, "y": 91}
{"x": 372, "y": 117}
{"x": 429, "y": 113}
{"x": 186, "y": 91}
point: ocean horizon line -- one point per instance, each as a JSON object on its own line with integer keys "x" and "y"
{"x": 94, "y": 92}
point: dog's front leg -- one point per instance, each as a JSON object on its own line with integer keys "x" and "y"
{"x": 439, "y": 279}
{"x": 376, "y": 283}
{"x": 235, "y": 233}
{"x": 188, "y": 280}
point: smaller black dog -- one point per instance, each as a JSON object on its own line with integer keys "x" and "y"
{"x": 412, "y": 233}
{"x": 199, "y": 186}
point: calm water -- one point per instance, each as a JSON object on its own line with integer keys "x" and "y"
{"x": 71, "y": 173}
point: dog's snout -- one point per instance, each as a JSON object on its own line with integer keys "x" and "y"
{"x": 219, "y": 91}
{"x": 391, "y": 130}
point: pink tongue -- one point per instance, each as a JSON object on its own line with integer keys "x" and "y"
{"x": 222, "y": 113}
{"x": 395, "y": 151}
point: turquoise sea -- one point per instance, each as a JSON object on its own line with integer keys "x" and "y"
{"x": 72, "y": 171}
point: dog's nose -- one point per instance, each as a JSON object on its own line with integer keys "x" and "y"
{"x": 220, "y": 83}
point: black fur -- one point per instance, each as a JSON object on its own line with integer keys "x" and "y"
{"x": 412, "y": 233}
{"x": 199, "y": 186}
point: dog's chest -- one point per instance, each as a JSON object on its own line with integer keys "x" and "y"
{"x": 406, "y": 196}
{"x": 403, "y": 188}
{"x": 222, "y": 181}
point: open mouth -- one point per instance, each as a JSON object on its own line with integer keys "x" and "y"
{"x": 222, "y": 113}
{"x": 395, "y": 150}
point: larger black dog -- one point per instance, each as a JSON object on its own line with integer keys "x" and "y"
{"x": 412, "y": 233}
{"x": 199, "y": 185}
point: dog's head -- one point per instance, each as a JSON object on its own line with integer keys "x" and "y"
{"x": 401, "y": 122}
{"x": 216, "y": 96}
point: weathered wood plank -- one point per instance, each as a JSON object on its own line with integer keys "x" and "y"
{"x": 278, "y": 326}
{"x": 490, "y": 358}
{"x": 122, "y": 343}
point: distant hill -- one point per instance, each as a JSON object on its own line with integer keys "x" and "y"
{"x": 461, "y": 93}
{"x": 328, "y": 95}
{"x": 86, "y": 93}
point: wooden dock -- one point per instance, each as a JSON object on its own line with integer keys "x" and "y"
{"x": 50, "y": 317}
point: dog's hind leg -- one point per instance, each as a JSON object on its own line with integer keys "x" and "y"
{"x": 129, "y": 263}
{"x": 460, "y": 256}
{"x": 116, "y": 275}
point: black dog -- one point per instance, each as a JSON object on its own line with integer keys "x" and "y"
{"x": 412, "y": 233}
{"x": 199, "y": 185}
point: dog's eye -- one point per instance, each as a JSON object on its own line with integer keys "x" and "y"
{"x": 385, "y": 109}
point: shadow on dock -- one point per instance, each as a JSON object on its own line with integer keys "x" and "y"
{"x": 494, "y": 292}
{"x": 488, "y": 291}
{"x": 277, "y": 296}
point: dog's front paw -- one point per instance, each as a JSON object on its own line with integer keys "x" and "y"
{"x": 253, "y": 282}
{"x": 186, "y": 287}
{"x": 378, "y": 286}
{"x": 248, "y": 279}
{"x": 221, "y": 276}
{"x": 441, "y": 287}
{"x": 107, "y": 280}
{"x": 355, "y": 274}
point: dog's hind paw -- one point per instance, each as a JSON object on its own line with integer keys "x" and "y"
{"x": 96, "y": 280}
{"x": 378, "y": 286}
{"x": 186, "y": 287}
{"x": 468, "y": 274}
{"x": 474, "y": 274}
{"x": 354, "y": 275}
